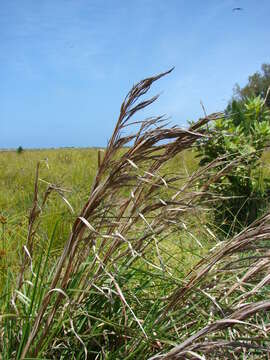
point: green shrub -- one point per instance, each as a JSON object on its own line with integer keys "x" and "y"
{"x": 242, "y": 134}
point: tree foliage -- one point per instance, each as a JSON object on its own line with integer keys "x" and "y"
{"x": 19, "y": 150}
{"x": 257, "y": 85}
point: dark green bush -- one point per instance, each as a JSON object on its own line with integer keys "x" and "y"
{"x": 19, "y": 150}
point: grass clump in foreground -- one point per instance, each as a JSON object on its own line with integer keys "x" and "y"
{"x": 119, "y": 289}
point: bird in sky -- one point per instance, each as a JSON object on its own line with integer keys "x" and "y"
{"x": 237, "y": 9}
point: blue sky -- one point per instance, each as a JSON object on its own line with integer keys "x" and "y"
{"x": 65, "y": 65}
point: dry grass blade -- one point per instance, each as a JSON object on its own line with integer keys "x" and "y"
{"x": 214, "y": 276}
{"x": 250, "y": 238}
{"x": 33, "y": 225}
{"x": 236, "y": 318}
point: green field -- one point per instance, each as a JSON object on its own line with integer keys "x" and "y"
{"x": 72, "y": 170}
